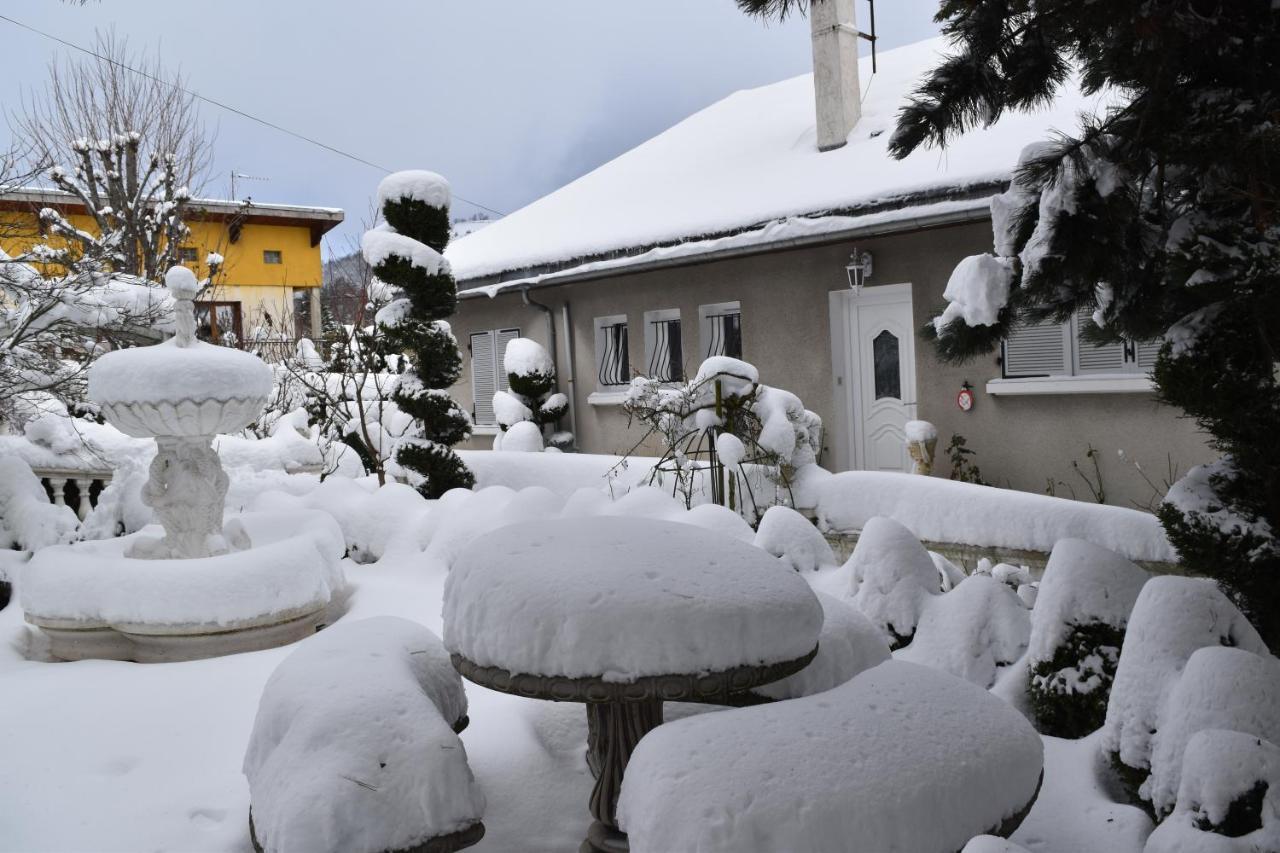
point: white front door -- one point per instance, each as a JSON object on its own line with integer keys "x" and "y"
{"x": 873, "y": 335}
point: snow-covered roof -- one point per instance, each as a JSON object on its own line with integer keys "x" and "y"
{"x": 749, "y": 160}
{"x": 48, "y": 196}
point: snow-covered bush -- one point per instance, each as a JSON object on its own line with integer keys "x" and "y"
{"x": 1172, "y": 618}
{"x": 790, "y": 536}
{"x": 891, "y": 576}
{"x": 532, "y": 398}
{"x": 849, "y": 644}
{"x": 972, "y": 632}
{"x": 727, "y": 435}
{"x": 520, "y": 437}
{"x": 1228, "y": 797}
{"x": 949, "y": 574}
{"x": 1077, "y": 629}
{"x": 901, "y": 757}
{"x": 28, "y": 521}
{"x": 1220, "y": 688}
{"x": 353, "y": 747}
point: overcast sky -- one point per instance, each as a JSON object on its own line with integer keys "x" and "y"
{"x": 508, "y": 99}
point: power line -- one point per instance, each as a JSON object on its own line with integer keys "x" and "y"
{"x": 227, "y": 107}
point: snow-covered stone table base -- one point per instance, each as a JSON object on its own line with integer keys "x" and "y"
{"x": 90, "y": 600}
{"x": 623, "y": 614}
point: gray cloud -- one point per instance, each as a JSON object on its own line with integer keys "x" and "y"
{"x": 508, "y": 99}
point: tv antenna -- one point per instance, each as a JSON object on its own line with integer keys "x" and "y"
{"x": 242, "y": 177}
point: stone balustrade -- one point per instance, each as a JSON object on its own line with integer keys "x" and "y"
{"x": 74, "y": 487}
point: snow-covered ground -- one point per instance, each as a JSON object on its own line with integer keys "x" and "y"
{"x": 110, "y": 756}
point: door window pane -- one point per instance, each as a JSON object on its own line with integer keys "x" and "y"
{"x": 884, "y": 360}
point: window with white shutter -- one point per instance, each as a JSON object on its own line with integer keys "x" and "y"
{"x": 1063, "y": 349}
{"x": 1037, "y": 349}
{"x": 487, "y": 373}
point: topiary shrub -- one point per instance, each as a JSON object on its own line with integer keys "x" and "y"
{"x": 1069, "y": 691}
{"x": 533, "y": 398}
{"x": 1078, "y": 627}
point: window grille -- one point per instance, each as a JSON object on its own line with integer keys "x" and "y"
{"x": 724, "y": 333}
{"x": 615, "y": 364}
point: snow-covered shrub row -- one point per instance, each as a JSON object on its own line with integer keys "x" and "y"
{"x": 1077, "y": 628}
{"x": 973, "y": 631}
{"x": 28, "y": 521}
{"x": 849, "y": 644}
{"x": 1228, "y": 797}
{"x": 1172, "y": 618}
{"x": 901, "y": 757}
{"x": 891, "y": 576}
{"x": 353, "y": 747}
{"x": 372, "y": 518}
{"x": 938, "y": 510}
{"x": 461, "y": 515}
{"x": 1220, "y": 688}
{"x": 928, "y": 610}
{"x": 790, "y": 536}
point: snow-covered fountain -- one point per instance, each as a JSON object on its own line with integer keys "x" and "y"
{"x": 202, "y": 588}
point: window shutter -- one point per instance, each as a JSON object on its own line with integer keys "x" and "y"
{"x": 505, "y": 336}
{"x": 1091, "y": 358}
{"x": 1037, "y": 349}
{"x": 483, "y": 384}
{"x": 1147, "y": 352}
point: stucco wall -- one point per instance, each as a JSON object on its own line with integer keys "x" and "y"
{"x": 1020, "y": 442}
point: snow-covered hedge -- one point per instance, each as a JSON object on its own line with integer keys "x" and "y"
{"x": 1172, "y": 618}
{"x": 1078, "y": 624}
{"x": 28, "y": 521}
{"x": 1228, "y": 797}
{"x": 353, "y": 747}
{"x": 891, "y": 576}
{"x": 849, "y": 644}
{"x": 790, "y": 536}
{"x": 973, "y": 631}
{"x": 1220, "y": 688}
{"x": 939, "y": 510}
{"x": 901, "y": 757}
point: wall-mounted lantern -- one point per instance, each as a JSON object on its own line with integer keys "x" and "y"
{"x": 858, "y": 269}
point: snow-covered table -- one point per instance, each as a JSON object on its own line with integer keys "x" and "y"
{"x": 623, "y": 614}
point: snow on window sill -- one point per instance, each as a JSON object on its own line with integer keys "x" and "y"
{"x": 1126, "y": 384}
{"x": 606, "y": 398}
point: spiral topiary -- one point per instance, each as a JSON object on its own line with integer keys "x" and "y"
{"x": 406, "y": 252}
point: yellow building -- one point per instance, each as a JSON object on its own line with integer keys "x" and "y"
{"x": 271, "y": 254}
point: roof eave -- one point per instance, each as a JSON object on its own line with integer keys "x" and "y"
{"x": 957, "y": 213}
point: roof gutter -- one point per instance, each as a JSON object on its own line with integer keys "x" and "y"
{"x": 978, "y": 211}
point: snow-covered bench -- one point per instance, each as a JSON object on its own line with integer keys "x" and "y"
{"x": 899, "y": 758}
{"x": 355, "y": 747}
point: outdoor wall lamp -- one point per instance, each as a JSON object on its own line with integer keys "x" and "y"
{"x": 858, "y": 269}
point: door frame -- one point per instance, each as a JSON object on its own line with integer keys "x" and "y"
{"x": 846, "y": 375}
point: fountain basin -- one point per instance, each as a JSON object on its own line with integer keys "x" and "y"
{"x": 90, "y": 600}
{"x": 167, "y": 389}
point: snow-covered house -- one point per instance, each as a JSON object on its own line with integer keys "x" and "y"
{"x": 732, "y": 233}
{"x": 271, "y": 257}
